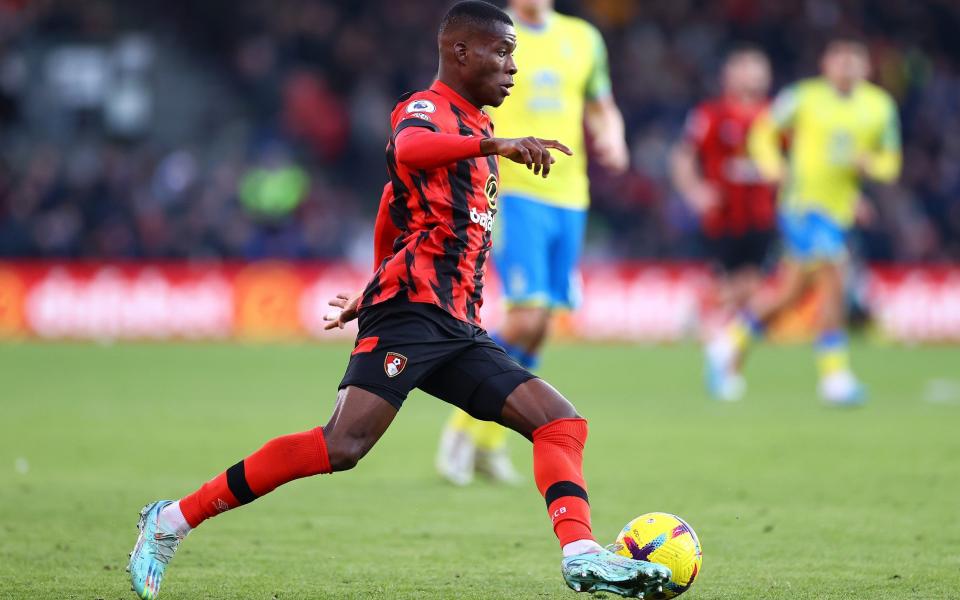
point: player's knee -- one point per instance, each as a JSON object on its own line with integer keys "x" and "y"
{"x": 345, "y": 451}
{"x": 561, "y": 409}
{"x": 344, "y": 457}
{"x": 526, "y": 323}
{"x": 534, "y": 404}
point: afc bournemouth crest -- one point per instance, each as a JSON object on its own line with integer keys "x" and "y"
{"x": 394, "y": 364}
{"x": 490, "y": 190}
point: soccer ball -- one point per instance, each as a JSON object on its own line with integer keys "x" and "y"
{"x": 665, "y": 539}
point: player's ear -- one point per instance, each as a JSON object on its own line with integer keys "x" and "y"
{"x": 460, "y": 51}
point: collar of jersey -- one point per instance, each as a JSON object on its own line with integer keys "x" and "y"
{"x": 459, "y": 101}
{"x": 531, "y": 27}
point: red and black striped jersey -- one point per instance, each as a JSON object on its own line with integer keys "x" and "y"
{"x": 433, "y": 230}
{"x": 718, "y": 130}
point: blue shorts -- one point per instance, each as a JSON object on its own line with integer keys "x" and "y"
{"x": 812, "y": 236}
{"x": 536, "y": 250}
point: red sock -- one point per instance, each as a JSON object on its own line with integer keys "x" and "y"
{"x": 280, "y": 460}
{"x": 558, "y": 470}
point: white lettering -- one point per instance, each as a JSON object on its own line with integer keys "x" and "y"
{"x": 483, "y": 219}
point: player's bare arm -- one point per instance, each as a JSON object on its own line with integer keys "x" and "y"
{"x": 605, "y": 126}
{"x": 685, "y": 172}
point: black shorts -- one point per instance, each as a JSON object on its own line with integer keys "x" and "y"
{"x": 403, "y": 345}
{"x": 735, "y": 252}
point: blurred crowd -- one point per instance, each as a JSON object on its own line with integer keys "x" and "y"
{"x": 256, "y": 128}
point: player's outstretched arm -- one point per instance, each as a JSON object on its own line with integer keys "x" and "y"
{"x": 531, "y": 151}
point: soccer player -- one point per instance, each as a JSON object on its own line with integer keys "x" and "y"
{"x": 563, "y": 88}
{"x": 418, "y": 321}
{"x": 712, "y": 169}
{"x": 842, "y": 128}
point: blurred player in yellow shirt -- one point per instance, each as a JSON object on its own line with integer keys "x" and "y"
{"x": 563, "y": 83}
{"x": 841, "y": 129}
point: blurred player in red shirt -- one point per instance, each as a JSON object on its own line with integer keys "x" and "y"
{"x": 712, "y": 169}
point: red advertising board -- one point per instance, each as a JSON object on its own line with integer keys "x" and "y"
{"x": 274, "y": 300}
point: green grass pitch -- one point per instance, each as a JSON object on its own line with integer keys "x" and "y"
{"x": 791, "y": 500}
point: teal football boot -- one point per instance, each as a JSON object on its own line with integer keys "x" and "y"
{"x": 605, "y": 571}
{"x": 153, "y": 552}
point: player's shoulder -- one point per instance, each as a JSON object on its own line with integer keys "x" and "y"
{"x": 700, "y": 119}
{"x": 876, "y": 95}
{"x": 809, "y": 87}
{"x": 710, "y": 106}
{"x": 420, "y": 101}
{"x": 423, "y": 105}
{"x": 569, "y": 25}
{"x": 708, "y": 110}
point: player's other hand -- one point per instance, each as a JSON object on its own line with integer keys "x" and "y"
{"x": 348, "y": 310}
{"x": 531, "y": 151}
{"x": 703, "y": 197}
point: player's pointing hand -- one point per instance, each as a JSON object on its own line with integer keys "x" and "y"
{"x": 531, "y": 151}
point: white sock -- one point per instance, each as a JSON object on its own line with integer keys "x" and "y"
{"x": 722, "y": 349}
{"x": 173, "y": 521}
{"x": 581, "y": 547}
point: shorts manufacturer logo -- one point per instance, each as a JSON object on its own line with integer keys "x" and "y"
{"x": 394, "y": 364}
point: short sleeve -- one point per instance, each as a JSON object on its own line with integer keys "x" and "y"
{"x": 696, "y": 127}
{"x": 598, "y": 82}
{"x": 417, "y": 110}
{"x": 785, "y": 106}
{"x": 890, "y": 136}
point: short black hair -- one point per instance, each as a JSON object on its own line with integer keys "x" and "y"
{"x": 474, "y": 12}
{"x": 847, "y": 38}
{"x": 741, "y": 48}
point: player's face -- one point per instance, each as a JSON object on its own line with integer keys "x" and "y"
{"x": 845, "y": 65}
{"x": 747, "y": 74}
{"x": 491, "y": 68}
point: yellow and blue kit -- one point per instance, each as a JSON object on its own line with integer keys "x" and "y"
{"x": 834, "y": 137}
{"x": 561, "y": 65}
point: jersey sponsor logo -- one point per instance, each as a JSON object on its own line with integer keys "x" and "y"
{"x": 422, "y": 106}
{"x": 394, "y": 364}
{"x": 483, "y": 219}
{"x": 420, "y": 115}
{"x": 491, "y": 190}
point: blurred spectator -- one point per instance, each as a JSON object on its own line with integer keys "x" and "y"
{"x": 164, "y": 130}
